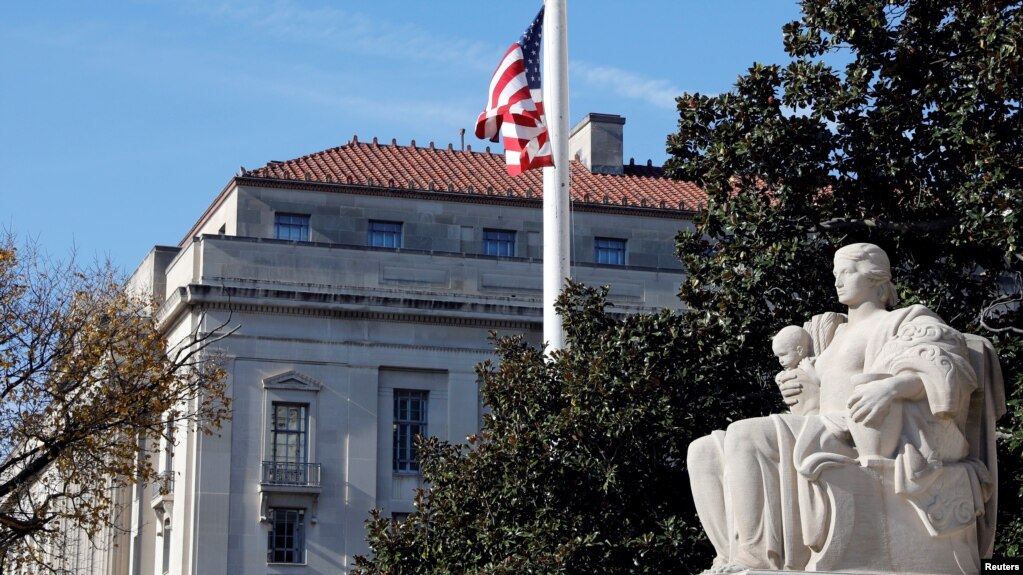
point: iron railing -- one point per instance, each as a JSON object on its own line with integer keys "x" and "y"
{"x": 163, "y": 485}
{"x": 286, "y": 473}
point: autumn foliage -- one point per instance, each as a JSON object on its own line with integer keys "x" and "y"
{"x": 85, "y": 372}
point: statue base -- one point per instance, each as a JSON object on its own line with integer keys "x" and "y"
{"x": 763, "y": 572}
{"x": 876, "y": 530}
{"x": 768, "y": 572}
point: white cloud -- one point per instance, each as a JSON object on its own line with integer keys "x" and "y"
{"x": 384, "y": 109}
{"x": 625, "y": 84}
{"x": 348, "y": 31}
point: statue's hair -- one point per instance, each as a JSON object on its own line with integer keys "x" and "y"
{"x": 793, "y": 334}
{"x": 872, "y": 262}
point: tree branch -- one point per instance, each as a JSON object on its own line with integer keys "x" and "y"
{"x": 937, "y": 225}
{"x": 1004, "y": 301}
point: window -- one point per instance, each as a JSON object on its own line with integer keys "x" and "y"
{"x": 498, "y": 242}
{"x": 286, "y": 541}
{"x": 288, "y": 443}
{"x": 291, "y": 227}
{"x": 166, "y": 545}
{"x": 409, "y": 421}
{"x": 384, "y": 234}
{"x": 609, "y": 251}
{"x": 168, "y": 452}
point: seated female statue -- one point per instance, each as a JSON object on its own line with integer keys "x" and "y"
{"x": 890, "y": 384}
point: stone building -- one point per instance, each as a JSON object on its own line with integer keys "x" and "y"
{"x": 364, "y": 280}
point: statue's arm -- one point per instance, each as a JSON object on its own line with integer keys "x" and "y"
{"x": 870, "y": 402}
{"x": 926, "y": 360}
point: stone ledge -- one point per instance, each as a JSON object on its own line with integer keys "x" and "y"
{"x": 858, "y": 572}
{"x": 773, "y": 572}
{"x": 769, "y": 572}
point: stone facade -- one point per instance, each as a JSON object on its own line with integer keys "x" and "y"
{"x": 337, "y": 338}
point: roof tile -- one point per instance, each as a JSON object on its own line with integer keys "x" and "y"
{"x": 479, "y": 173}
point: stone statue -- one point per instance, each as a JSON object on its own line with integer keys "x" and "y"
{"x": 886, "y": 463}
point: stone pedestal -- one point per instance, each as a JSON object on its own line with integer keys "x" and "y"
{"x": 765, "y": 572}
{"x": 879, "y": 531}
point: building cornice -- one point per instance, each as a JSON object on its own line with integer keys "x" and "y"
{"x": 404, "y": 308}
{"x": 483, "y": 352}
{"x": 471, "y": 196}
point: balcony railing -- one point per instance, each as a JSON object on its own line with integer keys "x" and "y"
{"x": 163, "y": 490}
{"x": 284, "y": 473}
{"x": 164, "y": 484}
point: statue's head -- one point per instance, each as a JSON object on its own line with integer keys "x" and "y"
{"x": 872, "y": 263}
{"x": 791, "y": 345}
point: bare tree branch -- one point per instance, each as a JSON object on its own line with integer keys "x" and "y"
{"x": 85, "y": 370}
{"x": 937, "y": 225}
{"x": 1004, "y": 302}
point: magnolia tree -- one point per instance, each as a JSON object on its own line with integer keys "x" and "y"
{"x": 579, "y": 466}
{"x": 85, "y": 373}
{"x": 912, "y": 141}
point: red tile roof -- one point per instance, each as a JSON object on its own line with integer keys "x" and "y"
{"x": 444, "y": 170}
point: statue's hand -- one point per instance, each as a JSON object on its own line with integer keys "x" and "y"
{"x": 789, "y": 385}
{"x": 870, "y": 402}
{"x": 799, "y": 391}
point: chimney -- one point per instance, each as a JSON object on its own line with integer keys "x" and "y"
{"x": 597, "y": 142}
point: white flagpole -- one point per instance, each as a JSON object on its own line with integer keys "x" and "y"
{"x": 556, "y": 196}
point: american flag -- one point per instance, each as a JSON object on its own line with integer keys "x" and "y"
{"x": 514, "y": 108}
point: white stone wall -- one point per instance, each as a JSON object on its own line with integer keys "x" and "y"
{"x": 340, "y": 326}
{"x": 449, "y": 225}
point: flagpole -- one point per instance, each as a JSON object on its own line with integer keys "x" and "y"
{"x": 556, "y": 237}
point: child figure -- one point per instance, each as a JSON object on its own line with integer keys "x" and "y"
{"x": 792, "y": 345}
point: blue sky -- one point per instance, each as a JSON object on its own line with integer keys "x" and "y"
{"x": 121, "y": 121}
